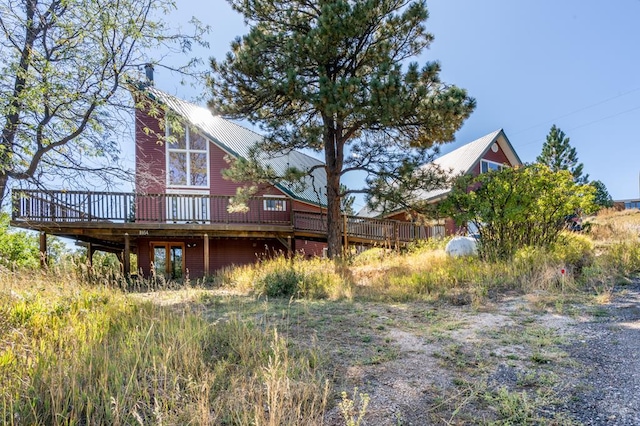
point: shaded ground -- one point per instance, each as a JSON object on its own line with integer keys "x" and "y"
{"x": 535, "y": 359}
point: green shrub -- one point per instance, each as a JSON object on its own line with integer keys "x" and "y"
{"x": 573, "y": 249}
{"x": 278, "y": 283}
{"x": 284, "y": 277}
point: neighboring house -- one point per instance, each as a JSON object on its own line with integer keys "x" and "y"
{"x": 632, "y": 203}
{"x": 490, "y": 152}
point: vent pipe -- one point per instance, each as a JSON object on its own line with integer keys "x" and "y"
{"x": 148, "y": 70}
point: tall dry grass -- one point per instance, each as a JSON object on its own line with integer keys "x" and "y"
{"x": 72, "y": 354}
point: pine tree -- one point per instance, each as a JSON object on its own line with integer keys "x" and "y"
{"x": 602, "y": 196}
{"x": 558, "y": 154}
{"x": 333, "y": 76}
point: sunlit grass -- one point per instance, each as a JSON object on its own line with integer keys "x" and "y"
{"x": 76, "y": 355}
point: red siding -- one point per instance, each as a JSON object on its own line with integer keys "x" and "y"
{"x": 223, "y": 252}
{"x": 151, "y": 179}
{"x": 496, "y": 157}
{"x": 310, "y": 248}
{"x": 150, "y": 156}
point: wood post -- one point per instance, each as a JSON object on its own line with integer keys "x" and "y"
{"x": 90, "y": 251}
{"x": 206, "y": 254}
{"x": 43, "y": 250}
{"x": 345, "y": 233}
{"x": 396, "y": 234}
{"x": 126, "y": 261}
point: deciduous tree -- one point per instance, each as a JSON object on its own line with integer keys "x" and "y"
{"x": 334, "y": 76}
{"x": 62, "y": 68}
{"x": 517, "y": 207}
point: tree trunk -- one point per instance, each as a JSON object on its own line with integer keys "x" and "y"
{"x": 334, "y": 234}
{"x": 333, "y": 159}
{"x": 4, "y": 180}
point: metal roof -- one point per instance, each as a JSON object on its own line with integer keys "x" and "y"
{"x": 461, "y": 161}
{"x": 237, "y": 141}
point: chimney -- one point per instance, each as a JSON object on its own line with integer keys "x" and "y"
{"x": 148, "y": 70}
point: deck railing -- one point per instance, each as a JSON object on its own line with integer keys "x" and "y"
{"x": 124, "y": 207}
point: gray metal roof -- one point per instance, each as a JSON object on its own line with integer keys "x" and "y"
{"x": 461, "y": 161}
{"x": 237, "y": 141}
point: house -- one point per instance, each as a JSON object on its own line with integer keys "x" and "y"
{"x": 178, "y": 220}
{"x": 490, "y": 152}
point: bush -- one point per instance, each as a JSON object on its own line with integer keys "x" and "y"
{"x": 517, "y": 207}
{"x": 283, "y": 277}
{"x": 573, "y": 249}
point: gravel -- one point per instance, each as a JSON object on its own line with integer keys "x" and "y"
{"x": 609, "y": 350}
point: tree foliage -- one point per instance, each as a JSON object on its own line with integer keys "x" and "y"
{"x": 333, "y": 76}
{"x": 602, "y": 198}
{"x": 62, "y": 68}
{"x": 517, "y": 207}
{"x": 558, "y": 154}
{"x": 22, "y": 249}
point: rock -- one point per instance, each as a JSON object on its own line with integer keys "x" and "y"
{"x": 461, "y": 246}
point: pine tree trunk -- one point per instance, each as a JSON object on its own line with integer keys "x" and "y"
{"x": 334, "y": 234}
{"x": 333, "y": 160}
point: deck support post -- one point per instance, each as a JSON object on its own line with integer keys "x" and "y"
{"x": 345, "y": 233}
{"x": 43, "y": 250}
{"x": 90, "y": 251}
{"x": 126, "y": 261}
{"x": 396, "y": 234}
{"x": 206, "y": 254}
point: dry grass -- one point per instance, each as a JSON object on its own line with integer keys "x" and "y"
{"x": 70, "y": 354}
{"x": 90, "y": 354}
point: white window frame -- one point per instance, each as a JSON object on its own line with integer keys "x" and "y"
{"x": 277, "y": 199}
{"x": 489, "y": 163}
{"x": 187, "y": 151}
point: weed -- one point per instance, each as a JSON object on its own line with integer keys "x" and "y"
{"x": 353, "y": 409}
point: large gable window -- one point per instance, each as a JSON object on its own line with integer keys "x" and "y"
{"x": 487, "y": 166}
{"x": 187, "y": 159}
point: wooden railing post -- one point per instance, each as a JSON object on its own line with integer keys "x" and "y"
{"x": 396, "y": 234}
{"x": 206, "y": 254}
{"x": 126, "y": 261}
{"x": 89, "y": 207}
{"x": 43, "y": 250}
{"x": 345, "y": 233}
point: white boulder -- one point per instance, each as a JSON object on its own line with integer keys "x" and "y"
{"x": 461, "y": 246}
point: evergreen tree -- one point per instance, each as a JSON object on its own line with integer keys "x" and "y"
{"x": 602, "y": 197}
{"x": 333, "y": 76}
{"x": 558, "y": 154}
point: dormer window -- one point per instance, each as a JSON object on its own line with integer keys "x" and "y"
{"x": 488, "y": 166}
{"x": 187, "y": 159}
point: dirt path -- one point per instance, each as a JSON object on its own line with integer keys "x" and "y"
{"x": 516, "y": 363}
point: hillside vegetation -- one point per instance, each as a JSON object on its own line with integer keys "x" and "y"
{"x": 278, "y": 342}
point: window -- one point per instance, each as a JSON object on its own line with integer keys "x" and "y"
{"x": 168, "y": 259}
{"x": 488, "y": 166}
{"x": 187, "y": 159}
{"x": 275, "y": 205}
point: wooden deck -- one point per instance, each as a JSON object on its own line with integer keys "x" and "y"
{"x": 105, "y": 218}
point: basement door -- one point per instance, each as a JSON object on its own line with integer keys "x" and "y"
{"x": 168, "y": 259}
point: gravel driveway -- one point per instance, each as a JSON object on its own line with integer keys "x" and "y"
{"x": 609, "y": 349}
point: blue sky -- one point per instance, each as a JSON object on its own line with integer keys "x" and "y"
{"x": 529, "y": 64}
